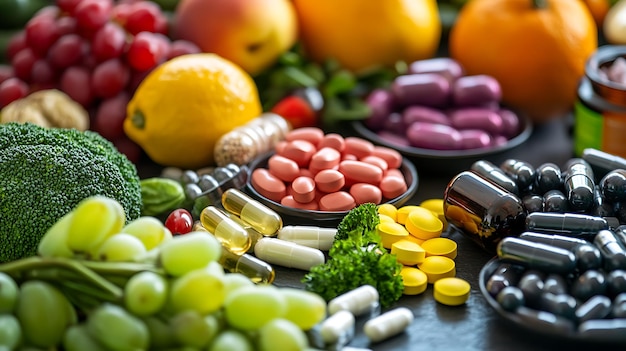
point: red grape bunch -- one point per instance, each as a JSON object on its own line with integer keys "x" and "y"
{"x": 97, "y": 52}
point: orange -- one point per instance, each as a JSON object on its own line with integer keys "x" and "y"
{"x": 186, "y": 104}
{"x": 537, "y": 53}
{"x": 598, "y": 9}
{"x": 366, "y": 34}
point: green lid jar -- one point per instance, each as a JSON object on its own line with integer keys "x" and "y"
{"x": 600, "y": 112}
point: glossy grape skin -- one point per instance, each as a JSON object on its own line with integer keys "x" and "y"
{"x": 117, "y": 329}
{"x": 179, "y": 221}
{"x": 145, "y": 293}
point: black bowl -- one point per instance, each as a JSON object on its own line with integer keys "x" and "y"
{"x": 449, "y": 162}
{"x": 296, "y": 216}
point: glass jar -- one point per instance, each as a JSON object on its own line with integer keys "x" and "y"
{"x": 600, "y": 112}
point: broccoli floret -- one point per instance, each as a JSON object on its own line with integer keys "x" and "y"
{"x": 359, "y": 225}
{"x": 46, "y": 172}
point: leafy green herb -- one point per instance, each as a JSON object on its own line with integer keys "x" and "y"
{"x": 356, "y": 258}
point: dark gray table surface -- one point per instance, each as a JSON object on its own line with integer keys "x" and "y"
{"x": 474, "y": 325}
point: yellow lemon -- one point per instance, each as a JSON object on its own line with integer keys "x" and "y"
{"x": 367, "y": 34}
{"x": 185, "y": 105}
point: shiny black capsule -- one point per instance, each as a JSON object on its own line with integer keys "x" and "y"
{"x": 569, "y": 224}
{"x": 549, "y": 322}
{"x": 506, "y": 274}
{"x": 495, "y": 175}
{"x": 510, "y": 298}
{"x": 533, "y": 203}
{"x": 522, "y": 172}
{"x": 531, "y": 285}
{"x": 613, "y": 185}
{"x": 562, "y": 241}
{"x": 601, "y": 207}
{"x": 603, "y": 162}
{"x": 613, "y": 251}
{"x": 549, "y": 259}
{"x": 563, "y": 304}
{"x": 555, "y": 284}
{"x": 555, "y": 201}
{"x": 548, "y": 177}
{"x": 619, "y": 306}
{"x": 588, "y": 256}
{"x": 616, "y": 282}
{"x": 588, "y": 284}
{"x": 597, "y": 307}
{"x": 607, "y": 330}
{"x": 579, "y": 184}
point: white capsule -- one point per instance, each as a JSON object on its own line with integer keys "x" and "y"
{"x": 338, "y": 328}
{"x": 315, "y": 237}
{"x": 358, "y": 301}
{"x": 388, "y": 324}
{"x": 287, "y": 254}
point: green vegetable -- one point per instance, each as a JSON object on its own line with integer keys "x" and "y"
{"x": 160, "y": 195}
{"x": 356, "y": 258}
{"x": 46, "y": 172}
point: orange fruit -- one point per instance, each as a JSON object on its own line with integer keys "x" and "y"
{"x": 366, "y": 34}
{"x": 598, "y": 9}
{"x": 537, "y": 53}
{"x": 185, "y": 105}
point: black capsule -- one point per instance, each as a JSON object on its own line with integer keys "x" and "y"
{"x": 522, "y": 172}
{"x": 587, "y": 257}
{"x": 619, "y": 211}
{"x": 613, "y": 252}
{"x": 555, "y": 201}
{"x": 597, "y": 307}
{"x": 602, "y": 162}
{"x": 579, "y": 184}
{"x": 588, "y": 284}
{"x": 606, "y": 330}
{"x": 601, "y": 207}
{"x": 548, "y": 177}
{"x": 613, "y": 185}
{"x": 562, "y": 241}
{"x": 546, "y": 321}
{"x": 569, "y": 224}
{"x": 620, "y": 233}
{"x": 495, "y": 175}
{"x": 506, "y": 274}
{"x": 563, "y": 305}
{"x": 619, "y": 306}
{"x": 533, "y": 255}
{"x": 616, "y": 282}
{"x": 555, "y": 284}
{"x": 531, "y": 285}
{"x": 533, "y": 203}
{"x": 510, "y": 298}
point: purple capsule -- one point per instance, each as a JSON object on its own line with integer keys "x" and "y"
{"x": 477, "y": 118}
{"x": 429, "y": 89}
{"x": 433, "y": 136}
{"x": 381, "y": 104}
{"x": 475, "y": 139}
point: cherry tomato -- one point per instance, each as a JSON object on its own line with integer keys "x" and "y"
{"x": 297, "y": 111}
{"x": 179, "y": 221}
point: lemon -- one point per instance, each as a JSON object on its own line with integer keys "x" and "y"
{"x": 186, "y": 104}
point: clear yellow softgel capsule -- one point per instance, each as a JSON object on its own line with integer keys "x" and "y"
{"x": 451, "y": 291}
{"x": 262, "y": 218}
{"x": 230, "y": 234}
{"x": 408, "y": 252}
{"x": 414, "y": 280}
{"x": 437, "y": 267}
{"x": 440, "y": 247}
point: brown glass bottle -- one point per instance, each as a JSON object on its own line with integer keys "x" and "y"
{"x": 482, "y": 211}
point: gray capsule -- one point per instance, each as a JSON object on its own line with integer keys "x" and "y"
{"x": 555, "y": 284}
{"x": 563, "y": 305}
{"x": 596, "y": 307}
{"x": 613, "y": 252}
{"x": 510, "y": 298}
{"x": 589, "y": 284}
{"x": 549, "y": 322}
{"x": 606, "y": 330}
{"x": 495, "y": 175}
{"x": 562, "y": 241}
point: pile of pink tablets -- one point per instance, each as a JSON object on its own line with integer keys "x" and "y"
{"x": 312, "y": 170}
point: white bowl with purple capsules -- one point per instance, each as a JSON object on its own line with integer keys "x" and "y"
{"x": 435, "y": 112}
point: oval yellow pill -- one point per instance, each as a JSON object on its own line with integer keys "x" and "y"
{"x": 390, "y": 232}
{"x": 440, "y": 247}
{"x": 388, "y": 210}
{"x": 437, "y": 267}
{"x": 407, "y": 252}
{"x": 414, "y": 280}
{"x": 385, "y": 218}
{"x": 436, "y": 205}
{"x": 423, "y": 224}
{"x": 451, "y": 291}
{"x": 403, "y": 213}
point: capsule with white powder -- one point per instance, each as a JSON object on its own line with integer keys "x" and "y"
{"x": 388, "y": 324}
{"x": 311, "y": 236}
{"x": 338, "y": 329}
{"x": 359, "y": 301}
{"x": 287, "y": 254}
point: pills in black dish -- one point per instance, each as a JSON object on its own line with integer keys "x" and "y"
{"x": 531, "y": 285}
{"x": 588, "y": 284}
{"x": 563, "y": 305}
{"x": 510, "y": 298}
{"x": 506, "y": 274}
{"x": 597, "y": 307}
{"x": 539, "y": 256}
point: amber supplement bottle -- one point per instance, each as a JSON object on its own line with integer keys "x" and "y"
{"x": 483, "y": 211}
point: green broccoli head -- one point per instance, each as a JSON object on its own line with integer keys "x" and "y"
{"x": 46, "y": 172}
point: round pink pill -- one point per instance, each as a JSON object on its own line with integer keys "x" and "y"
{"x": 337, "y": 201}
{"x": 303, "y": 189}
{"x": 283, "y": 168}
{"x": 268, "y": 185}
{"x": 329, "y": 180}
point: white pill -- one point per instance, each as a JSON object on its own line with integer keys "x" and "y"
{"x": 358, "y": 301}
{"x": 388, "y": 324}
{"x": 287, "y": 254}
{"x": 315, "y": 237}
{"x": 338, "y": 328}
